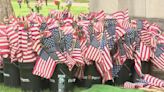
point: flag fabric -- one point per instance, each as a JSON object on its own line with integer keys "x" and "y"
{"x": 134, "y": 85}
{"x": 12, "y": 33}
{"x": 93, "y": 52}
{"x": 153, "y": 80}
{"x": 68, "y": 48}
{"x": 111, "y": 32}
{"x": 106, "y": 59}
{"x": 76, "y": 54}
{"x": 137, "y": 64}
{"x": 4, "y": 43}
{"x": 158, "y": 59}
{"x": 145, "y": 52}
{"x": 45, "y": 65}
{"x": 120, "y": 31}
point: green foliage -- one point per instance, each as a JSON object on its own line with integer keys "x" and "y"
{"x": 45, "y": 9}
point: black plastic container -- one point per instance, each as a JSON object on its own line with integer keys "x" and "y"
{"x": 91, "y": 77}
{"x": 146, "y": 69}
{"x": 126, "y": 73}
{"x": 11, "y": 73}
{"x": 62, "y": 79}
{"x": 29, "y": 82}
{"x": 1, "y": 76}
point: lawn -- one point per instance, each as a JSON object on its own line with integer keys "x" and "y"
{"x": 45, "y": 9}
{"x": 95, "y": 88}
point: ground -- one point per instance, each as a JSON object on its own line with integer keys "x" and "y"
{"x": 77, "y": 8}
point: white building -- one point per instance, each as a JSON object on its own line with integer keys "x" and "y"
{"x": 137, "y": 8}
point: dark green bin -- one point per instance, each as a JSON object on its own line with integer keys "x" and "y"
{"x": 91, "y": 77}
{"x": 11, "y": 73}
{"x": 62, "y": 79}
{"x": 29, "y": 82}
{"x": 1, "y": 76}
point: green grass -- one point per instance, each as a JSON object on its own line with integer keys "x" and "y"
{"x": 95, "y": 88}
{"x": 45, "y": 9}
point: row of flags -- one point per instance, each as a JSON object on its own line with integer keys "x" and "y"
{"x": 81, "y": 40}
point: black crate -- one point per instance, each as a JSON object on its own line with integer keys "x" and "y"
{"x": 91, "y": 77}
{"x": 62, "y": 79}
{"x": 29, "y": 82}
{"x": 125, "y": 73}
{"x": 1, "y": 76}
{"x": 11, "y": 73}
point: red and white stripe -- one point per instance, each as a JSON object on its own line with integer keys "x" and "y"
{"x": 153, "y": 80}
{"x": 129, "y": 51}
{"x": 145, "y": 37}
{"x": 13, "y": 41}
{"x": 145, "y": 52}
{"x": 137, "y": 65}
{"x": 44, "y": 68}
{"x": 77, "y": 56}
{"x": 155, "y": 29}
{"x": 100, "y": 15}
{"x": 120, "y": 31}
{"x": 159, "y": 61}
{"x": 67, "y": 29}
{"x": 4, "y": 43}
{"x": 93, "y": 53}
{"x": 70, "y": 61}
{"x": 107, "y": 58}
{"x": 133, "y": 85}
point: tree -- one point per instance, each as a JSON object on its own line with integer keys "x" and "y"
{"x": 6, "y": 9}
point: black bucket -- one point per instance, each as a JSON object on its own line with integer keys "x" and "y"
{"x": 91, "y": 77}
{"x": 1, "y": 76}
{"x": 45, "y": 84}
{"x": 146, "y": 69}
{"x": 62, "y": 79}
{"x": 29, "y": 82}
{"x": 11, "y": 73}
{"x": 125, "y": 73}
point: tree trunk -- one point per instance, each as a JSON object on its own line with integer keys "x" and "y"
{"x": 6, "y": 9}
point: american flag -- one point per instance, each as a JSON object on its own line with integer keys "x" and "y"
{"x": 106, "y": 58}
{"x": 111, "y": 27}
{"x": 137, "y": 64}
{"x": 121, "y": 15}
{"x": 154, "y": 81}
{"x": 154, "y": 29}
{"x": 45, "y": 65}
{"x": 93, "y": 52}
{"x": 158, "y": 59}
{"x": 129, "y": 39}
{"x": 160, "y": 38}
{"x": 98, "y": 28}
{"x": 35, "y": 37}
{"x": 120, "y": 55}
{"x": 25, "y": 46}
{"x": 145, "y": 52}
{"x": 100, "y": 15}
{"x": 68, "y": 46}
{"x": 13, "y": 40}
{"x": 4, "y": 43}
{"x": 146, "y": 37}
{"x": 76, "y": 53}
{"x": 120, "y": 31}
{"x": 134, "y": 85}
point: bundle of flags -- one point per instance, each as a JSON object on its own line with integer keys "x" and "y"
{"x": 60, "y": 37}
{"x": 147, "y": 81}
